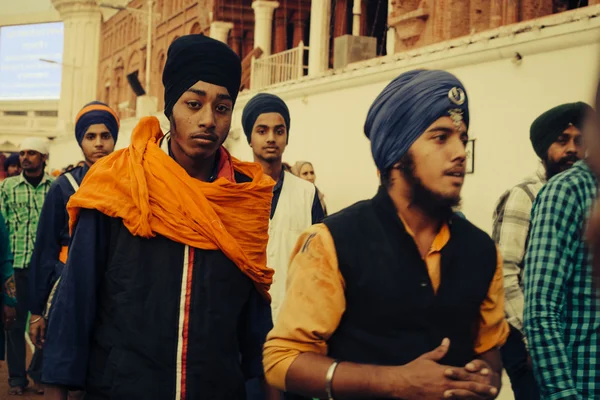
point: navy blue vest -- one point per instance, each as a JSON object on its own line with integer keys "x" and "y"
{"x": 393, "y": 315}
{"x": 140, "y": 292}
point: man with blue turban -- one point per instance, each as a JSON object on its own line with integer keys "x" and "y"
{"x": 397, "y": 297}
{"x": 96, "y": 131}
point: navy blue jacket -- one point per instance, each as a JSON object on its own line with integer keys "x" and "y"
{"x": 52, "y": 234}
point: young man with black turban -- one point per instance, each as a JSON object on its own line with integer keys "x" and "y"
{"x": 165, "y": 290}
{"x": 295, "y": 205}
{"x": 556, "y": 139}
{"x": 96, "y": 131}
{"x": 396, "y": 297}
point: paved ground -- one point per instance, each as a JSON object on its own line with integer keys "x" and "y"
{"x": 505, "y": 394}
{"x": 4, "y": 384}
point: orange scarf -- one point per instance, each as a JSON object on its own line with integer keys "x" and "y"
{"x": 153, "y": 194}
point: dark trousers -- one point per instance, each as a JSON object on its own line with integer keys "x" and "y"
{"x": 15, "y": 339}
{"x": 514, "y": 358}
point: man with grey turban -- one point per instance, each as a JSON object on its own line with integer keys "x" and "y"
{"x": 397, "y": 297}
{"x": 556, "y": 139}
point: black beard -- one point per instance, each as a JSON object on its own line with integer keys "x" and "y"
{"x": 433, "y": 204}
{"x": 556, "y": 167}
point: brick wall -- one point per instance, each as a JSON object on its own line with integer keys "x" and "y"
{"x": 422, "y": 22}
{"x": 123, "y": 47}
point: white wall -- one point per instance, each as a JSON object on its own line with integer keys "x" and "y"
{"x": 504, "y": 101}
{"x": 328, "y": 113}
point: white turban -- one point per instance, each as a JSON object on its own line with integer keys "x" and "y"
{"x": 36, "y": 144}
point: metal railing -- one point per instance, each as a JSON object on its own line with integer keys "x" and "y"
{"x": 278, "y": 68}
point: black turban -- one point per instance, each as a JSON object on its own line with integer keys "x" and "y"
{"x": 551, "y": 124}
{"x": 406, "y": 108}
{"x": 194, "y": 58}
{"x": 264, "y": 103}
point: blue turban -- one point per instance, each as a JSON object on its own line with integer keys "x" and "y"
{"x": 93, "y": 113}
{"x": 264, "y": 103}
{"x": 407, "y": 107}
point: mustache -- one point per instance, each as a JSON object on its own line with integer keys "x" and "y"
{"x": 457, "y": 169}
{"x": 208, "y": 134}
{"x": 571, "y": 158}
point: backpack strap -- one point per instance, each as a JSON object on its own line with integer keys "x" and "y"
{"x": 72, "y": 181}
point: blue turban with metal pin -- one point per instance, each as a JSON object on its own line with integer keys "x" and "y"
{"x": 407, "y": 107}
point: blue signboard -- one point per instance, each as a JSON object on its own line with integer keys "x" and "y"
{"x": 31, "y": 61}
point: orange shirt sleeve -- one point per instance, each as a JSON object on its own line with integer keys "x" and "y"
{"x": 493, "y": 328}
{"x": 313, "y": 306}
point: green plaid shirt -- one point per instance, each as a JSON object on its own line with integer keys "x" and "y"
{"x": 562, "y": 308}
{"x": 21, "y": 205}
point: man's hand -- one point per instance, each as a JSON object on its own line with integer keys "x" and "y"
{"x": 37, "y": 330}
{"x": 476, "y": 371}
{"x": 424, "y": 378}
{"x": 9, "y": 315}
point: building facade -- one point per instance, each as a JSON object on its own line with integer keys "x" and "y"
{"x": 277, "y": 27}
{"x": 513, "y": 72}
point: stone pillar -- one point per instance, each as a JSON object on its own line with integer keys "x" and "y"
{"x": 280, "y": 31}
{"x": 263, "y": 24}
{"x": 219, "y": 30}
{"x": 318, "y": 53}
{"x": 81, "y": 55}
{"x": 390, "y": 43}
{"x": 356, "y": 17}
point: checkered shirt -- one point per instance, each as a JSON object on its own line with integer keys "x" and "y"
{"x": 21, "y": 205}
{"x": 511, "y": 229}
{"x": 562, "y": 307}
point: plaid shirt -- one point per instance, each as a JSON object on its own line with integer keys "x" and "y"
{"x": 562, "y": 313}
{"x": 21, "y": 205}
{"x": 511, "y": 228}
